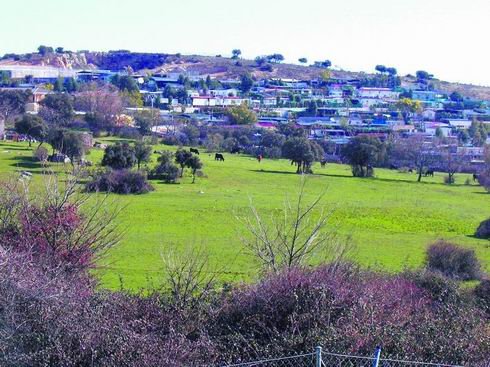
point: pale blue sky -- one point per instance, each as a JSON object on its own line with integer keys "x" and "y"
{"x": 449, "y": 38}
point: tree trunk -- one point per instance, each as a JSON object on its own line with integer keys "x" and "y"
{"x": 420, "y": 174}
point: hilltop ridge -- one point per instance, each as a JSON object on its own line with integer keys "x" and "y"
{"x": 215, "y": 66}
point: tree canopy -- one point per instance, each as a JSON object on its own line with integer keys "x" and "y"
{"x": 119, "y": 156}
{"x": 33, "y": 126}
{"x": 362, "y": 153}
{"x": 241, "y": 115}
{"x": 302, "y": 152}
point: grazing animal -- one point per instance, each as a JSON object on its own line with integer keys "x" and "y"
{"x": 410, "y": 170}
{"x": 235, "y": 150}
{"x": 429, "y": 172}
{"x": 219, "y": 157}
{"x": 195, "y": 151}
{"x": 476, "y": 176}
{"x": 323, "y": 163}
{"x": 259, "y": 158}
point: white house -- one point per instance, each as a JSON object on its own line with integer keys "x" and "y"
{"x": 381, "y": 93}
{"x": 431, "y": 128}
{"x": 204, "y": 101}
{"x": 460, "y": 123}
{"x": 231, "y": 92}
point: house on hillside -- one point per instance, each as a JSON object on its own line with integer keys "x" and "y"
{"x": 380, "y": 93}
{"x": 458, "y": 123}
{"x": 431, "y": 127}
{"x": 94, "y": 75}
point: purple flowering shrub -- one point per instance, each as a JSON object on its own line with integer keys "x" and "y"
{"x": 52, "y": 312}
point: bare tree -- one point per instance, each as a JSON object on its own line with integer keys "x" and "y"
{"x": 294, "y": 237}
{"x": 57, "y": 224}
{"x": 103, "y": 103}
{"x": 452, "y": 162}
{"x": 413, "y": 152}
{"x": 188, "y": 275}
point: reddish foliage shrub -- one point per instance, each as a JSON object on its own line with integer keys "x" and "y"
{"x": 350, "y": 312}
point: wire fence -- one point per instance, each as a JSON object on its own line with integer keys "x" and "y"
{"x": 323, "y": 359}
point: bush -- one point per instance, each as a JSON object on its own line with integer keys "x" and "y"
{"x": 449, "y": 180}
{"x": 453, "y": 261}
{"x": 482, "y": 294}
{"x": 41, "y": 154}
{"x": 483, "y": 230}
{"x": 166, "y": 170}
{"x": 119, "y": 182}
{"x": 129, "y": 133}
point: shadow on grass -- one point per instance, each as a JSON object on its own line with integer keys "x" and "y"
{"x": 26, "y": 162}
{"x": 7, "y": 146}
{"x": 366, "y": 178}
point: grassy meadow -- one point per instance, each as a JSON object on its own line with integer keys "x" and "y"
{"x": 390, "y": 218}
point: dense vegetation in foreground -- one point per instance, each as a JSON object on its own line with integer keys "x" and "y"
{"x": 52, "y": 314}
{"x": 390, "y": 218}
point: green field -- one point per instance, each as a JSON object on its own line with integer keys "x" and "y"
{"x": 391, "y": 218}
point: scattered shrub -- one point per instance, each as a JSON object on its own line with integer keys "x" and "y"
{"x": 119, "y": 182}
{"x": 41, "y": 154}
{"x": 483, "y": 230}
{"x": 449, "y": 180}
{"x": 129, "y": 133}
{"x": 453, "y": 261}
{"x": 482, "y": 293}
{"x": 166, "y": 169}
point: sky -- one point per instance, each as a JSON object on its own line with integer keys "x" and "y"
{"x": 448, "y": 38}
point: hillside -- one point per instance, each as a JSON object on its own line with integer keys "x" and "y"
{"x": 218, "y": 67}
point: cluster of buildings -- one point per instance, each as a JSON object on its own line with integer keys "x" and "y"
{"x": 330, "y": 109}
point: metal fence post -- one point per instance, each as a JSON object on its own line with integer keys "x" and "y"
{"x": 377, "y": 355}
{"x": 318, "y": 356}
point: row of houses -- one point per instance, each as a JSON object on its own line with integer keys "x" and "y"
{"x": 322, "y": 106}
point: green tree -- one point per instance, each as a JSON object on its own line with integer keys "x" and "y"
{"x": 303, "y": 60}
{"x": 362, "y": 153}
{"x": 181, "y": 158}
{"x": 236, "y": 53}
{"x": 119, "y": 156}
{"x": 12, "y": 103}
{"x": 456, "y": 97}
{"x": 57, "y": 109}
{"x": 146, "y": 120}
{"x": 166, "y": 170}
{"x": 439, "y": 133}
{"x": 241, "y": 115}
{"x": 33, "y": 126}
{"x": 302, "y": 152}
{"x": 194, "y": 163}
{"x": 142, "y": 153}
{"x": 72, "y": 145}
{"x": 44, "y": 50}
{"x": 423, "y": 75}
{"x": 71, "y": 85}
{"x": 59, "y": 85}
{"x": 125, "y": 83}
{"x": 246, "y": 83}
